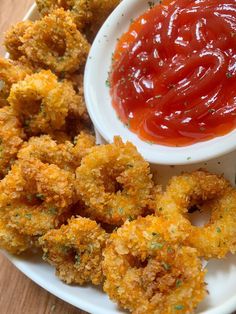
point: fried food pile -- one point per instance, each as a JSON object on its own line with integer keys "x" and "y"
{"x": 94, "y": 212}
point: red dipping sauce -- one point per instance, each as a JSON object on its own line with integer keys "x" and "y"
{"x": 173, "y": 76}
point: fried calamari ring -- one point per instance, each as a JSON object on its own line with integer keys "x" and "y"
{"x": 33, "y": 179}
{"x": 146, "y": 271}
{"x": 66, "y": 156}
{"x": 79, "y": 9}
{"x": 76, "y": 251}
{"x": 115, "y": 182}
{"x": 55, "y": 43}
{"x": 217, "y": 237}
{"x": 10, "y": 72}
{"x": 13, "y": 37}
{"x": 43, "y": 104}
{"x": 11, "y": 139}
{"x": 195, "y": 189}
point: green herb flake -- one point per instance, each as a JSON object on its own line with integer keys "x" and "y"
{"x": 29, "y": 197}
{"x": 218, "y": 230}
{"x": 178, "y": 283}
{"x": 156, "y": 245}
{"x": 40, "y": 197}
{"x": 170, "y": 250}
{"x": 179, "y": 307}
{"x": 166, "y": 266}
{"x": 211, "y": 110}
{"x": 77, "y": 259}
{"x": 26, "y": 123}
{"x": 64, "y": 249}
{"x": 130, "y": 218}
{"x": 228, "y": 75}
{"x": 107, "y": 82}
{"x": 28, "y": 216}
{"x": 52, "y": 210}
{"x": 130, "y": 166}
{"x": 150, "y": 142}
{"x": 121, "y": 210}
{"x": 151, "y": 4}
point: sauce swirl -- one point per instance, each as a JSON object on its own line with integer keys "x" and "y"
{"x": 173, "y": 76}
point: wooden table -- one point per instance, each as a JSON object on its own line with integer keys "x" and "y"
{"x": 18, "y": 294}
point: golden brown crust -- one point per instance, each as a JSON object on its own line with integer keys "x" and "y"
{"x": 148, "y": 272}
{"x": 13, "y": 37}
{"x": 115, "y": 182}
{"x": 76, "y": 251}
{"x": 55, "y": 43}
{"x": 207, "y": 191}
{"x": 43, "y": 104}
{"x": 11, "y": 139}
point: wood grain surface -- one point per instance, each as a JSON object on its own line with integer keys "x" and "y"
{"x": 18, "y": 294}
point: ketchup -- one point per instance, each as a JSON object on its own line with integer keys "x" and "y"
{"x": 173, "y": 77}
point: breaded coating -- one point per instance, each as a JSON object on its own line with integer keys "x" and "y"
{"x": 34, "y": 179}
{"x": 209, "y": 192}
{"x": 76, "y": 251}
{"x": 217, "y": 237}
{"x": 147, "y": 272}
{"x": 13, "y": 37}
{"x": 55, "y": 43}
{"x": 10, "y": 72}
{"x": 43, "y": 104}
{"x": 89, "y": 15}
{"x": 11, "y": 139}
{"x": 35, "y": 220}
{"x": 10, "y": 239}
{"x": 79, "y": 9}
{"x": 66, "y": 156}
{"x": 115, "y": 182}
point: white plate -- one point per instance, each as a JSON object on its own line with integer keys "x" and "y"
{"x": 220, "y": 277}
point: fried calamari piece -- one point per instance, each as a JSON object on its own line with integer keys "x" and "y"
{"x": 10, "y": 72}
{"x": 217, "y": 237}
{"x": 209, "y": 192}
{"x": 32, "y": 219}
{"x": 13, "y": 38}
{"x": 76, "y": 251}
{"x": 43, "y": 104}
{"x": 10, "y": 239}
{"x": 33, "y": 179}
{"x": 115, "y": 182}
{"x": 147, "y": 272}
{"x": 66, "y": 156}
{"x": 88, "y": 15}
{"x": 79, "y": 9}
{"x": 11, "y": 139}
{"x": 55, "y": 43}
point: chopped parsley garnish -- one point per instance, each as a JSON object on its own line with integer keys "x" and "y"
{"x": 179, "y": 307}
{"x": 156, "y": 245}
